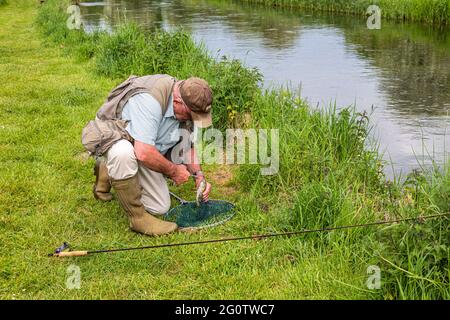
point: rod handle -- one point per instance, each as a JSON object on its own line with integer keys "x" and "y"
{"x": 71, "y": 254}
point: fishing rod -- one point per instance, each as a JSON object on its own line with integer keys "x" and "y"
{"x": 59, "y": 252}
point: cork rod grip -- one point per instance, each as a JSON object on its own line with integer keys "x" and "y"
{"x": 72, "y": 254}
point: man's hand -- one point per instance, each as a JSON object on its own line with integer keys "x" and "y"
{"x": 180, "y": 175}
{"x": 207, "y": 189}
{"x": 152, "y": 159}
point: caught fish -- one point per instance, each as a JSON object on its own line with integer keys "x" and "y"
{"x": 201, "y": 188}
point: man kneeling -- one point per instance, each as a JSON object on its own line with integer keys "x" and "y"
{"x": 155, "y": 107}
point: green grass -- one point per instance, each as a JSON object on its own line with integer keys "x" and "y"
{"x": 52, "y": 85}
{"x": 436, "y": 12}
{"x": 131, "y": 51}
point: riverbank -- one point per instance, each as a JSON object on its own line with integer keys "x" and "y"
{"x": 434, "y": 12}
{"x": 53, "y": 86}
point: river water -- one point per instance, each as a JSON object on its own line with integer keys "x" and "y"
{"x": 399, "y": 74}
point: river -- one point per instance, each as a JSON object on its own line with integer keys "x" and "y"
{"x": 399, "y": 74}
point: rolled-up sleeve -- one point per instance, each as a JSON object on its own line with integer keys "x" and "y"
{"x": 144, "y": 115}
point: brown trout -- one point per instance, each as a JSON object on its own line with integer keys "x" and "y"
{"x": 201, "y": 188}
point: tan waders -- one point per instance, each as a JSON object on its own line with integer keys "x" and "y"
{"x": 129, "y": 195}
{"x": 102, "y": 186}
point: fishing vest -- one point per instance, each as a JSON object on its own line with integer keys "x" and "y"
{"x": 108, "y": 127}
{"x": 159, "y": 86}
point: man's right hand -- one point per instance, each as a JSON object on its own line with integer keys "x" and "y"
{"x": 180, "y": 175}
{"x": 152, "y": 159}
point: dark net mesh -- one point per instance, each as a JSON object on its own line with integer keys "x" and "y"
{"x": 208, "y": 214}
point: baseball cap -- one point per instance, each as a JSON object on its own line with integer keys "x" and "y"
{"x": 197, "y": 95}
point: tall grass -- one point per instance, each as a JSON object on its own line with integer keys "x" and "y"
{"x": 130, "y": 50}
{"x": 416, "y": 258}
{"x": 2, "y": 2}
{"x": 435, "y": 12}
{"x": 327, "y": 175}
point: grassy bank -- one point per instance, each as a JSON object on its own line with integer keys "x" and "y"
{"x": 436, "y": 12}
{"x": 131, "y": 51}
{"x": 54, "y": 85}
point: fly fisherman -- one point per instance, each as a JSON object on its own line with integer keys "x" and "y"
{"x": 146, "y": 113}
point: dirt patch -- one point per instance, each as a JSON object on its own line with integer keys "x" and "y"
{"x": 221, "y": 177}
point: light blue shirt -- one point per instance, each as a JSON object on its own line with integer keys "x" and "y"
{"x": 148, "y": 125}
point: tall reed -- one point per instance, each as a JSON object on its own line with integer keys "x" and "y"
{"x": 436, "y": 12}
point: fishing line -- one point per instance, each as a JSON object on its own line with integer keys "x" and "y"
{"x": 59, "y": 253}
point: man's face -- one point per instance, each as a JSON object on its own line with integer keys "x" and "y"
{"x": 181, "y": 110}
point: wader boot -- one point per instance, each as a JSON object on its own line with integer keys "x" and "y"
{"x": 102, "y": 185}
{"x": 129, "y": 194}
